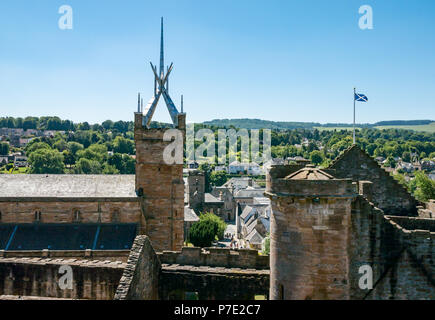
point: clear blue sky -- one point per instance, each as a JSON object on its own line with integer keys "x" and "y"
{"x": 274, "y": 60}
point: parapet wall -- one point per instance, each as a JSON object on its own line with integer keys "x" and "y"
{"x": 88, "y": 254}
{"x": 400, "y": 250}
{"x": 215, "y": 257}
{"x": 44, "y": 278}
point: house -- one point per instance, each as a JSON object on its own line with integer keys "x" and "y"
{"x": 254, "y": 169}
{"x": 247, "y": 195}
{"x": 237, "y": 167}
{"x": 405, "y": 166}
{"x": 272, "y": 162}
{"x": 226, "y": 195}
{"x": 24, "y": 141}
{"x": 240, "y": 183}
{"x": 253, "y": 225}
{"x": 20, "y": 161}
{"x": 214, "y": 205}
{"x": 298, "y": 160}
{"x": 427, "y": 165}
{"x": 221, "y": 168}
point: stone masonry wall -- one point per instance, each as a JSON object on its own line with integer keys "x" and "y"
{"x": 399, "y": 249}
{"x": 216, "y": 257}
{"x": 41, "y": 277}
{"x": 160, "y": 186}
{"x": 387, "y": 193}
{"x": 411, "y": 275}
{"x": 62, "y": 211}
{"x": 140, "y": 280}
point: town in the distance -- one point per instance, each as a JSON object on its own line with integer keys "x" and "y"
{"x": 95, "y": 211}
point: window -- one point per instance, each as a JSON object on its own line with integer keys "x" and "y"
{"x": 115, "y": 215}
{"x": 76, "y": 215}
{"x": 0, "y": 216}
{"x": 37, "y": 216}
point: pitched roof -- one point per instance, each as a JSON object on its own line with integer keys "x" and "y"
{"x": 189, "y": 214}
{"x": 254, "y": 237}
{"x": 67, "y": 186}
{"x": 309, "y": 173}
{"x": 209, "y": 198}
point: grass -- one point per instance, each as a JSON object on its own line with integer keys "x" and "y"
{"x": 13, "y": 171}
{"x": 335, "y": 128}
{"x": 423, "y": 128}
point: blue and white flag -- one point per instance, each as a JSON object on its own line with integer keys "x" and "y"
{"x": 361, "y": 97}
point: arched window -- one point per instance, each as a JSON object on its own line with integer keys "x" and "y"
{"x": 37, "y": 216}
{"x": 76, "y": 215}
{"x": 115, "y": 215}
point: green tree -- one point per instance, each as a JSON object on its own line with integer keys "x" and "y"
{"x": 46, "y": 161}
{"x": 218, "y": 178}
{"x": 108, "y": 169}
{"x": 423, "y": 187}
{"x": 4, "y": 148}
{"x": 209, "y": 228}
{"x": 86, "y": 166}
{"x": 390, "y": 162}
{"x": 122, "y": 145}
{"x": 316, "y": 157}
{"x": 266, "y": 245}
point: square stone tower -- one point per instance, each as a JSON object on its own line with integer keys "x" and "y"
{"x": 159, "y": 185}
{"x": 310, "y": 233}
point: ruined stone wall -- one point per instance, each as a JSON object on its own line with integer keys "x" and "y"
{"x": 41, "y": 277}
{"x": 372, "y": 243}
{"x": 140, "y": 280}
{"x": 63, "y": 211}
{"x": 216, "y": 257}
{"x": 399, "y": 249}
{"x": 387, "y": 193}
{"x": 88, "y": 254}
{"x": 411, "y": 275}
{"x": 160, "y": 186}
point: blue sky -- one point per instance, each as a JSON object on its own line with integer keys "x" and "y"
{"x": 274, "y": 60}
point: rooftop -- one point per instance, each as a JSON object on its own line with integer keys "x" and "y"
{"x": 309, "y": 173}
{"x": 67, "y": 186}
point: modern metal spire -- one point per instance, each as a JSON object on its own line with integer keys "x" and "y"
{"x": 160, "y": 89}
{"x": 162, "y": 58}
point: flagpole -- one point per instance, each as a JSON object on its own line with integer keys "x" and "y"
{"x": 353, "y": 115}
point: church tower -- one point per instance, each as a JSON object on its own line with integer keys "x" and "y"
{"x": 159, "y": 184}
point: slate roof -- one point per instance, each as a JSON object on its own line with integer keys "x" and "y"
{"x": 190, "y": 215}
{"x": 67, "y": 186}
{"x": 209, "y": 198}
{"x": 35, "y": 236}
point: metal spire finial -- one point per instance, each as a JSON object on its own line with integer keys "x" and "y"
{"x": 162, "y": 62}
{"x": 160, "y": 89}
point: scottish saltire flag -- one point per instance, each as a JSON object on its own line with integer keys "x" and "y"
{"x": 361, "y": 97}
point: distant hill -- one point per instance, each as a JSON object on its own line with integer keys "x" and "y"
{"x": 426, "y": 125}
